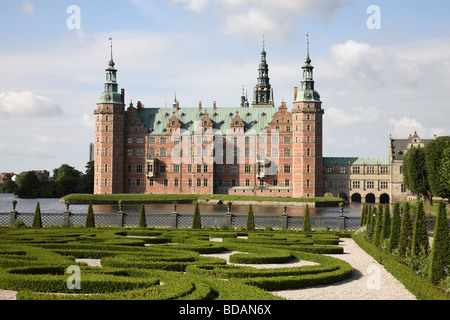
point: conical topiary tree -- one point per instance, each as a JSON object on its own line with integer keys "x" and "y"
{"x": 386, "y": 223}
{"x": 440, "y": 252}
{"x": 197, "y": 223}
{"x": 142, "y": 220}
{"x": 307, "y": 220}
{"x": 37, "y": 220}
{"x": 395, "y": 228}
{"x": 404, "y": 244}
{"x": 378, "y": 226}
{"x": 362, "y": 222}
{"x": 420, "y": 235}
{"x": 250, "y": 218}
{"x": 90, "y": 220}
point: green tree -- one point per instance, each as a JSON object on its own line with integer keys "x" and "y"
{"x": 197, "y": 223}
{"x": 67, "y": 180}
{"x": 420, "y": 235}
{"x": 86, "y": 182}
{"x": 142, "y": 220}
{"x": 404, "y": 245}
{"x": 363, "y": 216}
{"x": 28, "y": 185}
{"x": 386, "y": 223}
{"x": 436, "y": 156}
{"x": 415, "y": 174}
{"x": 440, "y": 252}
{"x": 395, "y": 228}
{"x": 8, "y": 186}
{"x": 250, "y": 218}
{"x": 307, "y": 220}
{"x": 37, "y": 220}
{"x": 90, "y": 219}
{"x": 378, "y": 226}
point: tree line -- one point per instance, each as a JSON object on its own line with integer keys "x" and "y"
{"x": 426, "y": 171}
{"x": 66, "y": 180}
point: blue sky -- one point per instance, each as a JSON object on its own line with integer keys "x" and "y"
{"x": 373, "y": 83}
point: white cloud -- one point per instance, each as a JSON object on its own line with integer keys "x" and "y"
{"x": 405, "y": 126}
{"x": 342, "y": 118}
{"x": 374, "y": 67}
{"x": 27, "y": 7}
{"x": 27, "y": 104}
{"x": 194, "y": 5}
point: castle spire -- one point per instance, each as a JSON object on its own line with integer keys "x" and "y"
{"x": 263, "y": 94}
{"x": 111, "y": 91}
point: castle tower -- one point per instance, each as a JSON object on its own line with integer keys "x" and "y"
{"x": 263, "y": 93}
{"x": 109, "y": 135}
{"x": 307, "y": 136}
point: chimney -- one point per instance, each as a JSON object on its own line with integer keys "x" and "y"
{"x": 200, "y": 105}
{"x": 139, "y": 105}
{"x": 295, "y": 93}
{"x": 215, "y": 105}
{"x": 177, "y": 106}
{"x": 122, "y": 96}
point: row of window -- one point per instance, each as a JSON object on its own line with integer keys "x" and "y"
{"x": 357, "y": 170}
{"x": 343, "y": 184}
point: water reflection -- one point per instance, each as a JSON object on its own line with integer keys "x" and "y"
{"x": 54, "y": 206}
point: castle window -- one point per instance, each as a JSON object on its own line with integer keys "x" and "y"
{"x": 370, "y": 170}
{"x": 189, "y": 168}
{"x": 287, "y": 140}
{"x": 176, "y": 182}
{"x": 308, "y": 152}
{"x": 129, "y": 168}
{"x": 106, "y": 168}
{"x": 370, "y": 184}
{"x": 166, "y": 182}
{"x": 151, "y": 182}
{"x": 205, "y": 168}
{"x": 288, "y": 129}
{"x": 199, "y": 168}
{"x": 106, "y": 182}
{"x": 307, "y": 183}
{"x": 152, "y": 140}
{"x": 287, "y": 152}
{"x": 106, "y": 151}
{"x": 163, "y": 152}
{"x": 199, "y": 182}
{"x": 152, "y": 152}
{"x": 384, "y": 185}
{"x": 329, "y": 169}
{"x": 261, "y": 183}
{"x": 287, "y": 182}
{"x": 163, "y": 168}
{"x": 287, "y": 168}
{"x": 220, "y": 182}
{"x": 342, "y": 169}
{"x": 356, "y": 170}
{"x": 139, "y": 168}
{"x": 138, "y": 182}
{"x": 247, "y": 182}
{"x": 308, "y": 168}
{"x": 220, "y": 169}
{"x": 247, "y": 152}
{"x": 163, "y": 140}
{"x": 176, "y": 168}
{"x": 356, "y": 184}
{"x": 275, "y": 182}
{"x": 205, "y": 182}
{"x": 190, "y": 182}
{"x": 233, "y": 182}
{"x": 384, "y": 170}
{"x": 248, "y": 169}
{"x": 247, "y": 140}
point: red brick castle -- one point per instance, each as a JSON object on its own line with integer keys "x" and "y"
{"x": 249, "y": 149}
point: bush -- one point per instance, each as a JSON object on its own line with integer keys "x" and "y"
{"x": 250, "y": 218}
{"x": 19, "y": 224}
{"x": 420, "y": 235}
{"x": 404, "y": 245}
{"x": 37, "y": 220}
{"x": 197, "y": 223}
{"x": 307, "y": 220}
{"x": 395, "y": 228}
{"x": 440, "y": 257}
{"x": 142, "y": 221}
{"x": 378, "y": 226}
{"x": 90, "y": 220}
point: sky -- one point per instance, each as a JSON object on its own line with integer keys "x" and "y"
{"x": 381, "y": 67}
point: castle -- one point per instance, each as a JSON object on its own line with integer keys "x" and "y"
{"x": 251, "y": 149}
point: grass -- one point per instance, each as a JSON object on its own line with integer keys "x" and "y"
{"x": 430, "y": 211}
{"x": 149, "y": 198}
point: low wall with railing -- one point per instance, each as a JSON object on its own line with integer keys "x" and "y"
{"x": 176, "y": 220}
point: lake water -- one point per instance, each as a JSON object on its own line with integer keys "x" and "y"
{"x": 55, "y": 206}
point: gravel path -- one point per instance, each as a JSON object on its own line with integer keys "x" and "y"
{"x": 369, "y": 281}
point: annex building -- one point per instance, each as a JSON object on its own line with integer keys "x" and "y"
{"x": 253, "y": 148}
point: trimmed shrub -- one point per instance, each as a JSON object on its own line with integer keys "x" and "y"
{"x": 90, "y": 220}
{"x": 142, "y": 221}
{"x": 363, "y": 216}
{"x": 378, "y": 227}
{"x": 404, "y": 244}
{"x": 250, "y": 218}
{"x": 440, "y": 252}
{"x": 395, "y": 228}
{"x": 307, "y": 220}
{"x": 37, "y": 220}
{"x": 420, "y": 234}
{"x": 197, "y": 223}
{"x": 386, "y": 223}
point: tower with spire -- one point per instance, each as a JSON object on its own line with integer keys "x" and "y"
{"x": 263, "y": 93}
{"x": 109, "y": 135}
{"x": 307, "y": 136}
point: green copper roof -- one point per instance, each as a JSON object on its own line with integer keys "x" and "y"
{"x": 156, "y": 119}
{"x": 356, "y": 161}
{"x": 308, "y": 96}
